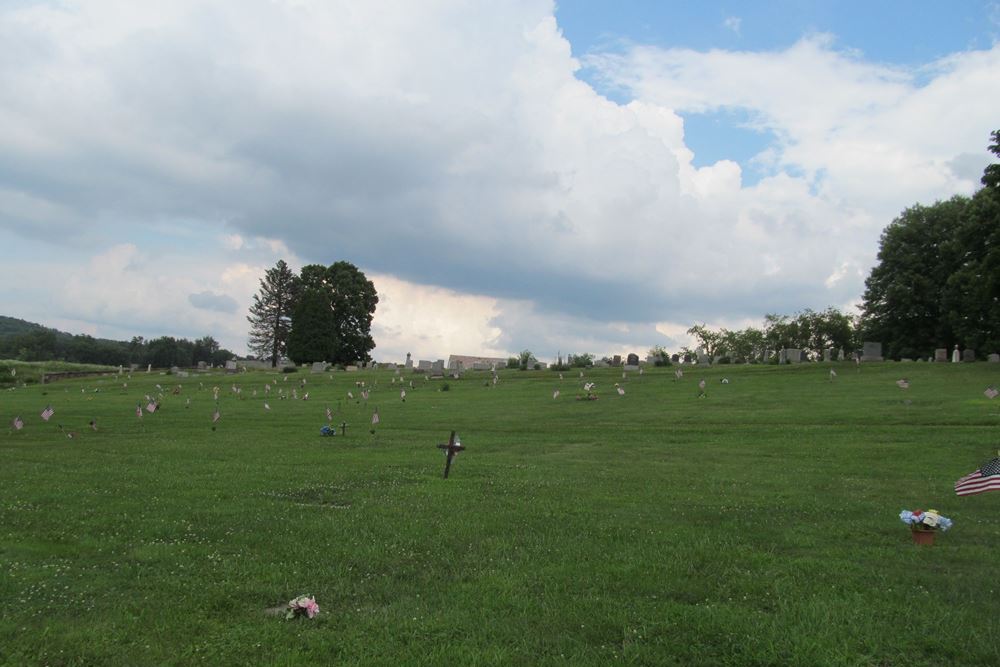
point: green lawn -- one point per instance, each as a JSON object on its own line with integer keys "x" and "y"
{"x": 757, "y": 526}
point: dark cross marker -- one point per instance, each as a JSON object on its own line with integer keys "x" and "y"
{"x": 343, "y": 428}
{"x": 451, "y": 449}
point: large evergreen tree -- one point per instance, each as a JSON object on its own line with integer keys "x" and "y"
{"x": 271, "y": 313}
{"x": 343, "y": 330}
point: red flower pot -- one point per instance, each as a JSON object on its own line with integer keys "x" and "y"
{"x": 925, "y": 537}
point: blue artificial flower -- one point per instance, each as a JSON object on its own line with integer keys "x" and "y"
{"x": 945, "y": 523}
{"x": 907, "y": 516}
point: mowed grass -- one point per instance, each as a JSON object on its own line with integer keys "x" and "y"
{"x": 757, "y": 526}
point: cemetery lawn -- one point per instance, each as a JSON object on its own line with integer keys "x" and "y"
{"x": 757, "y": 526}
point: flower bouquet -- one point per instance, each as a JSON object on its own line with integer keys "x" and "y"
{"x": 925, "y": 524}
{"x": 303, "y": 605}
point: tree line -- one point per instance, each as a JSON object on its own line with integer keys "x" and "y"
{"x": 323, "y": 313}
{"x": 37, "y": 343}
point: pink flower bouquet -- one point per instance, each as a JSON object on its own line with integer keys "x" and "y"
{"x": 303, "y": 605}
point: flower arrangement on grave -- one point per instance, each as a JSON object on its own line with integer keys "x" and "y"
{"x": 925, "y": 521}
{"x": 304, "y": 605}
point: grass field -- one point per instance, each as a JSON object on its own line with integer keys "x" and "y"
{"x": 757, "y": 526}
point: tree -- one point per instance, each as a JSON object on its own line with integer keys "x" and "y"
{"x": 709, "y": 340}
{"x": 270, "y": 315}
{"x": 351, "y": 299}
{"x": 310, "y": 339}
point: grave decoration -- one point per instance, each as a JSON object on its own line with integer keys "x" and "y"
{"x": 451, "y": 450}
{"x": 304, "y": 605}
{"x": 984, "y": 478}
{"x": 924, "y": 525}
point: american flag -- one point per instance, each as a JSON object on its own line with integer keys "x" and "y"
{"x": 986, "y": 478}
{"x": 991, "y": 392}
{"x": 138, "y": 411}
{"x": 329, "y": 415}
{"x": 266, "y": 406}
{"x": 305, "y": 396}
{"x": 18, "y": 423}
{"x": 375, "y": 417}
{"x": 903, "y": 384}
{"x": 350, "y": 395}
{"x": 678, "y": 374}
{"x": 151, "y": 407}
{"x": 701, "y": 385}
{"x": 555, "y": 394}
{"x": 402, "y": 395}
{"x": 216, "y": 416}
{"x": 621, "y": 392}
{"x": 364, "y": 394}
{"x": 47, "y": 413}
{"x": 833, "y": 373}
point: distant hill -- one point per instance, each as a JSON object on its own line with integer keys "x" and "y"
{"x": 11, "y": 326}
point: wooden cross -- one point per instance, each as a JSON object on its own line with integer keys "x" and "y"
{"x": 453, "y": 447}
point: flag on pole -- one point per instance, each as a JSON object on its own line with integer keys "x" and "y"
{"x": 305, "y": 396}
{"x": 216, "y": 416}
{"x": 986, "y": 478}
{"x": 266, "y": 406}
{"x": 47, "y": 413}
{"x": 18, "y": 424}
{"x": 678, "y": 374}
{"x": 138, "y": 411}
{"x": 375, "y": 417}
{"x": 555, "y": 394}
{"x": 350, "y": 395}
{"x": 833, "y": 373}
{"x": 329, "y": 414}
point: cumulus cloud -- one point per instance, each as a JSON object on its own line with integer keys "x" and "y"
{"x": 453, "y": 151}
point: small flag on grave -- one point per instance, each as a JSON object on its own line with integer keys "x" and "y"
{"x": 833, "y": 373}
{"x": 555, "y": 394}
{"x": 985, "y": 478}
{"x": 329, "y": 414}
{"x": 678, "y": 374}
{"x": 18, "y": 424}
{"x": 621, "y": 392}
{"x": 216, "y": 416}
{"x": 138, "y": 411}
{"x": 903, "y": 384}
{"x": 402, "y": 395}
{"x": 991, "y": 393}
{"x": 266, "y": 406}
{"x": 47, "y": 413}
{"x": 375, "y": 417}
{"x": 350, "y": 395}
{"x": 701, "y": 389}
{"x": 305, "y": 396}
{"x": 364, "y": 394}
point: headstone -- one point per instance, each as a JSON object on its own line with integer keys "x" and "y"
{"x": 437, "y": 368}
{"x": 703, "y": 359}
{"x": 423, "y": 365}
{"x": 968, "y": 354}
{"x": 793, "y": 355}
{"x": 955, "y": 355}
{"x": 906, "y": 359}
{"x": 674, "y": 358}
{"x": 351, "y": 369}
{"x": 319, "y": 367}
{"x": 941, "y": 354}
{"x": 828, "y": 354}
{"x": 230, "y": 366}
{"x": 616, "y": 360}
{"x": 993, "y": 358}
{"x": 202, "y": 365}
{"x": 632, "y": 359}
{"x": 871, "y": 351}
{"x": 174, "y": 370}
{"x": 782, "y": 356}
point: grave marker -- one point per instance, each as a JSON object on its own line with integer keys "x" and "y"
{"x": 451, "y": 450}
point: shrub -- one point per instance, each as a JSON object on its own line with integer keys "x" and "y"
{"x": 289, "y": 369}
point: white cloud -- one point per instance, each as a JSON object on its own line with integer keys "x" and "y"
{"x": 733, "y": 23}
{"x": 451, "y": 151}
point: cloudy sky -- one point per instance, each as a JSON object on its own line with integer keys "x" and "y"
{"x": 573, "y": 176}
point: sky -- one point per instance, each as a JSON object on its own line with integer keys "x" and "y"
{"x": 560, "y": 177}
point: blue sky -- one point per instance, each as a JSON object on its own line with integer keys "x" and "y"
{"x": 904, "y": 34}
{"x": 587, "y": 177}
